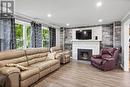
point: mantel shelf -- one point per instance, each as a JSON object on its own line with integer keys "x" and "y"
{"x": 86, "y": 40}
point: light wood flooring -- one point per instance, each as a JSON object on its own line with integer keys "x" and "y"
{"x": 80, "y": 74}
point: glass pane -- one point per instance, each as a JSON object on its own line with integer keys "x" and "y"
{"x": 19, "y": 36}
{"x": 28, "y": 40}
{"x": 45, "y": 37}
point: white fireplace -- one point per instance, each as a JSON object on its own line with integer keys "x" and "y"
{"x": 93, "y": 44}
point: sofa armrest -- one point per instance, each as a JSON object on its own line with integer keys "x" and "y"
{"x": 66, "y": 52}
{"x": 58, "y": 56}
{"x": 9, "y": 70}
{"x": 13, "y": 75}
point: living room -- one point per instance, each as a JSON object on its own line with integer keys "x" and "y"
{"x": 64, "y": 43}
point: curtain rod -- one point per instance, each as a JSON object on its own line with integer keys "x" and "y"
{"x": 89, "y": 26}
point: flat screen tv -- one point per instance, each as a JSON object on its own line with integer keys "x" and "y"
{"x": 84, "y": 34}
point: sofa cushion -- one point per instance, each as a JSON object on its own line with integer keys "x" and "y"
{"x": 36, "y": 55}
{"x": 42, "y": 65}
{"x": 13, "y": 56}
{"x": 105, "y": 51}
{"x": 53, "y": 62}
{"x": 56, "y": 49}
{"x": 46, "y": 64}
{"x": 36, "y": 60}
{"x": 97, "y": 61}
{"x": 109, "y": 51}
{"x": 28, "y": 73}
{"x": 106, "y": 56}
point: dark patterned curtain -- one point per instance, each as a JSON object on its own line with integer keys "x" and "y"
{"x": 36, "y": 35}
{"x": 52, "y": 32}
{"x": 13, "y": 35}
{"x": 7, "y": 33}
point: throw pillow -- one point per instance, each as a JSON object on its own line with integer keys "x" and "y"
{"x": 22, "y": 68}
{"x": 10, "y": 65}
{"x": 51, "y": 55}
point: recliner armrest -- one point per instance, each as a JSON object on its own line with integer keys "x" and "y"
{"x": 96, "y": 56}
{"x": 66, "y": 52}
{"x": 108, "y": 59}
{"x": 58, "y": 56}
{"x": 9, "y": 70}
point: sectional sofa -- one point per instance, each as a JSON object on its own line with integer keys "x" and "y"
{"x": 34, "y": 59}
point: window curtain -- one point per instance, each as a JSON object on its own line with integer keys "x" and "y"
{"x": 7, "y": 33}
{"x": 52, "y": 32}
{"x": 36, "y": 35}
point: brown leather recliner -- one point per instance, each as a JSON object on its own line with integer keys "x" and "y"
{"x": 65, "y": 55}
{"x": 34, "y": 59}
{"x": 107, "y": 60}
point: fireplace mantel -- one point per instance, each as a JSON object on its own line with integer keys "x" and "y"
{"x": 86, "y": 40}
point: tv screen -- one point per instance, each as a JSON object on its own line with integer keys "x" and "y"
{"x": 84, "y": 34}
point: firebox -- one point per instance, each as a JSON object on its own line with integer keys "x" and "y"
{"x": 84, "y": 54}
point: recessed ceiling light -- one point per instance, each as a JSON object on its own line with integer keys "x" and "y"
{"x": 67, "y": 24}
{"x": 99, "y": 4}
{"x": 100, "y": 20}
{"x": 49, "y": 15}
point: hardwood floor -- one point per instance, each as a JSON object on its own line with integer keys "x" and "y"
{"x": 80, "y": 74}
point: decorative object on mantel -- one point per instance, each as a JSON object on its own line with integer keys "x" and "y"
{"x": 96, "y": 37}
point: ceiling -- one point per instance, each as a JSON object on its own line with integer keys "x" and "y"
{"x": 74, "y": 12}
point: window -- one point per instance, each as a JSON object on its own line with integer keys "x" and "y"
{"x": 23, "y": 34}
{"x": 28, "y": 36}
{"x": 19, "y": 36}
{"x": 45, "y": 37}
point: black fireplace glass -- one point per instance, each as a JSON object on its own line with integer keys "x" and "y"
{"x": 84, "y": 54}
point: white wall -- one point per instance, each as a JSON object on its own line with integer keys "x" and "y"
{"x": 57, "y": 37}
{"x": 125, "y": 43}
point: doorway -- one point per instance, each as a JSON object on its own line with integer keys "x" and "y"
{"x": 125, "y": 41}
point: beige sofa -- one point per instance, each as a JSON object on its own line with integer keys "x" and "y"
{"x": 34, "y": 59}
{"x": 65, "y": 55}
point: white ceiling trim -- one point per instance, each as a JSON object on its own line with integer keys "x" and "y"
{"x": 29, "y": 19}
{"x": 126, "y": 16}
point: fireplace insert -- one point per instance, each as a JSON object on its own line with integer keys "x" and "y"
{"x": 84, "y": 54}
